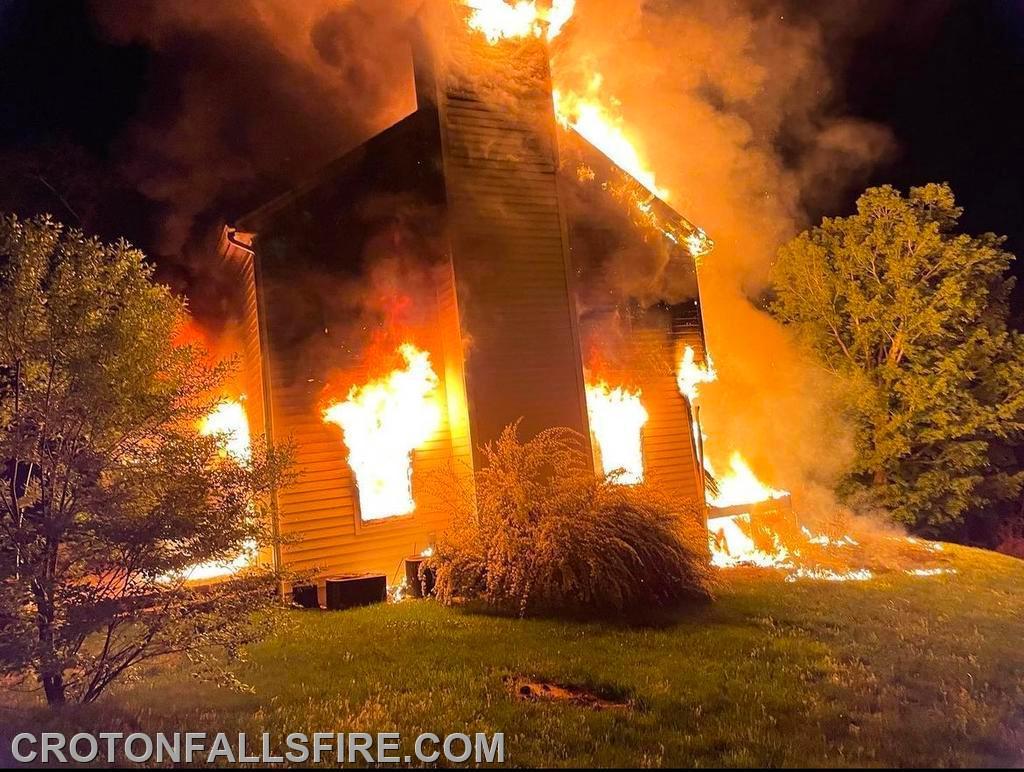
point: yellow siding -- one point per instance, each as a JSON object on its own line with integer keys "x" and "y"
{"x": 319, "y": 518}
{"x": 509, "y": 251}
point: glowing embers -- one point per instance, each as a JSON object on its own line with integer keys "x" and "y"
{"x": 617, "y": 418}
{"x": 770, "y": 536}
{"x": 698, "y": 243}
{"x": 595, "y": 116}
{"x": 383, "y": 422}
{"x": 498, "y": 19}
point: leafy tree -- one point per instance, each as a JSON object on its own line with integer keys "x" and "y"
{"x": 108, "y": 493}
{"x": 912, "y": 317}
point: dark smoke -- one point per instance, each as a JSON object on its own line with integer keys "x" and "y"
{"x": 248, "y": 98}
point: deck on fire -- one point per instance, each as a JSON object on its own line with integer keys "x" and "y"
{"x": 474, "y": 265}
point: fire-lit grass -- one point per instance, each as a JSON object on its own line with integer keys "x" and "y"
{"x": 900, "y": 670}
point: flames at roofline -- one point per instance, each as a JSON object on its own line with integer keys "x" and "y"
{"x": 597, "y": 120}
{"x": 593, "y": 114}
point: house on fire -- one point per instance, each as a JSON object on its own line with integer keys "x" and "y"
{"x": 533, "y": 239}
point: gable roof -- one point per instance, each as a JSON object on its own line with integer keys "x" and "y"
{"x": 647, "y": 209}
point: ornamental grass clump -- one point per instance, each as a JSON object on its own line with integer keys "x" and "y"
{"x": 537, "y": 532}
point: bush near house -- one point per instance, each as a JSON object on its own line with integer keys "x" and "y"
{"x": 546, "y": 536}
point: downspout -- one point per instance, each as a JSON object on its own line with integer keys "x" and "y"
{"x": 268, "y": 422}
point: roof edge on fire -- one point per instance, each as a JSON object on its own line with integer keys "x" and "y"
{"x": 651, "y": 208}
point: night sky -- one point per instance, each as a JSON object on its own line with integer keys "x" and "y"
{"x": 950, "y": 91}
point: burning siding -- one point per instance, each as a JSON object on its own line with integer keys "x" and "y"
{"x": 470, "y": 187}
{"x": 634, "y": 349}
{"x": 322, "y": 508}
{"x": 236, "y": 257}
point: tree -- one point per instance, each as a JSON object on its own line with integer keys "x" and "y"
{"x": 108, "y": 493}
{"x": 912, "y": 317}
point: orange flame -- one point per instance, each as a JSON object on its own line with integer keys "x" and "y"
{"x": 597, "y": 120}
{"x": 732, "y": 546}
{"x": 691, "y": 374}
{"x": 616, "y": 419}
{"x": 593, "y": 115}
{"x": 740, "y": 485}
{"x": 230, "y": 425}
{"x": 499, "y": 20}
{"x": 383, "y": 422}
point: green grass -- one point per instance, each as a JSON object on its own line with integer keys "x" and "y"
{"x": 899, "y": 670}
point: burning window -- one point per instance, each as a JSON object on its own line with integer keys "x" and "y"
{"x": 383, "y": 422}
{"x": 617, "y": 418}
{"x": 229, "y": 424}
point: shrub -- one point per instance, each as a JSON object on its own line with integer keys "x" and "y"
{"x": 540, "y": 533}
{"x": 1011, "y": 538}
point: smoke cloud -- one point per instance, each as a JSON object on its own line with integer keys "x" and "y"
{"x": 249, "y": 97}
{"x": 735, "y": 106}
{"x": 736, "y": 109}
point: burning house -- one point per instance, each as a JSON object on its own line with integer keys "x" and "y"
{"x": 521, "y": 308}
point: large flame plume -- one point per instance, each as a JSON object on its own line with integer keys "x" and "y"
{"x": 617, "y": 418}
{"x": 498, "y": 19}
{"x": 594, "y": 114}
{"x": 383, "y": 422}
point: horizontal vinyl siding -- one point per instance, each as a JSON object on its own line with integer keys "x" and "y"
{"x": 509, "y": 257}
{"x": 670, "y": 458}
{"x": 241, "y": 266}
{"x": 318, "y": 513}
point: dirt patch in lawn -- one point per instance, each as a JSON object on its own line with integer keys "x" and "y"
{"x": 535, "y": 690}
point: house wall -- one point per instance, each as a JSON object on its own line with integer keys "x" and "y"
{"x": 236, "y": 255}
{"x": 670, "y": 455}
{"x": 510, "y": 252}
{"x": 320, "y": 511}
{"x": 310, "y": 250}
{"x": 502, "y": 331}
{"x": 636, "y": 349}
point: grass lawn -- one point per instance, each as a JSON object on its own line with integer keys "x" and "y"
{"x": 900, "y": 670}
